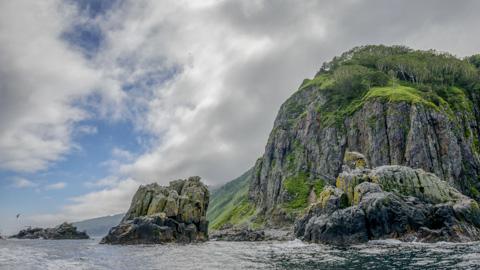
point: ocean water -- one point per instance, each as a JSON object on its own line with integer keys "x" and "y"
{"x": 88, "y": 254}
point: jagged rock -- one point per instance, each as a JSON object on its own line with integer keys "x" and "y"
{"x": 176, "y": 213}
{"x": 363, "y": 189}
{"x": 62, "y": 231}
{"x": 402, "y": 180}
{"x": 391, "y": 202}
{"x": 355, "y": 160}
{"x": 329, "y": 200}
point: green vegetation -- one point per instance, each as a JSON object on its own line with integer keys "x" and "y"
{"x": 394, "y": 74}
{"x": 299, "y": 187}
{"x": 475, "y": 192}
{"x": 229, "y": 204}
{"x": 399, "y": 94}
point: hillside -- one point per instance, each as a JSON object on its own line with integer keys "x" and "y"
{"x": 395, "y": 105}
{"x": 98, "y": 227}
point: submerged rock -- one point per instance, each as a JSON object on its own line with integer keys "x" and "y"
{"x": 176, "y": 213}
{"x": 62, "y": 231}
{"x": 390, "y": 202}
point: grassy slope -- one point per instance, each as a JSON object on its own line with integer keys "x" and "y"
{"x": 229, "y": 204}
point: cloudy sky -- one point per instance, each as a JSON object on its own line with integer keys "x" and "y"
{"x": 100, "y": 96}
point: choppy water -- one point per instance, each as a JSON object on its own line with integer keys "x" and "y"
{"x": 88, "y": 254}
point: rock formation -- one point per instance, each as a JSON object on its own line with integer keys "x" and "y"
{"x": 176, "y": 213}
{"x": 396, "y": 106}
{"x": 389, "y": 202}
{"x": 62, "y": 231}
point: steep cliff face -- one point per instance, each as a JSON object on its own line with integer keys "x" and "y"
{"x": 377, "y": 107}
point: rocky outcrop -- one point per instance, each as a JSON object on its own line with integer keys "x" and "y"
{"x": 389, "y": 202}
{"x": 358, "y": 111}
{"x": 426, "y": 126}
{"x": 388, "y": 133}
{"x": 176, "y": 213}
{"x": 62, "y": 231}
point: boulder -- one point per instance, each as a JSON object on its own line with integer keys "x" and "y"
{"x": 344, "y": 226}
{"x": 62, "y": 231}
{"x": 175, "y": 213}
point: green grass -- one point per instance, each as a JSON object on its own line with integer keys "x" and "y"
{"x": 322, "y": 81}
{"x": 239, "y": 213}
{"x": 399, "y": 93}
{"x": 230, "y": 204}
{"x": 337, "y": 109}
{"x": 475, "y": 192}
{"x": 299, "y": 187}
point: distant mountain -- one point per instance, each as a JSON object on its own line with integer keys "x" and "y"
{"x": 98, "y": 227}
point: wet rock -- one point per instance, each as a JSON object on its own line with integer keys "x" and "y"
{"x": 252, "y": 235}
{"x": 176, "y": 213}
{"x": 239, "y": 235}
{"x": 329, "y": 200}
{"x": 344, "y": 226}
{"x": 62, "y": 231}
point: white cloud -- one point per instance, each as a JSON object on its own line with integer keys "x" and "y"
{"x": 87, "y": 130}
{"x": 41, "y": 80}
{"x": 20, "y": 182}
{"x": 122, "y": 154}
{"x": 109, "y": 181}
{"x": 56, "y": 186}
{"x": 107, "y": 201}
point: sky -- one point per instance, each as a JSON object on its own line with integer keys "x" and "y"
{"x": 100, "y": 96}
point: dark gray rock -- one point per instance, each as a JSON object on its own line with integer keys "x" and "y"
{"x": 176, "y": 213}
{"x": 344, "y": 226}
{"x": 239, "y": 235}
{"x": 62, "y": 231}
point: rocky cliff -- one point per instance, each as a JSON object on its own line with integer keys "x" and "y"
{"x": 176, "y": 213}
{"x": 62, "y": 231}
{"x": 395, "y": 105}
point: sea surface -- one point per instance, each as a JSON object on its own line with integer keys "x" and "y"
{"x": 88, "y": 254}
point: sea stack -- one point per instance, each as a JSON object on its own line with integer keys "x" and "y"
{"x": 158, "y": 214}
{"x": 62, "y": 231}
